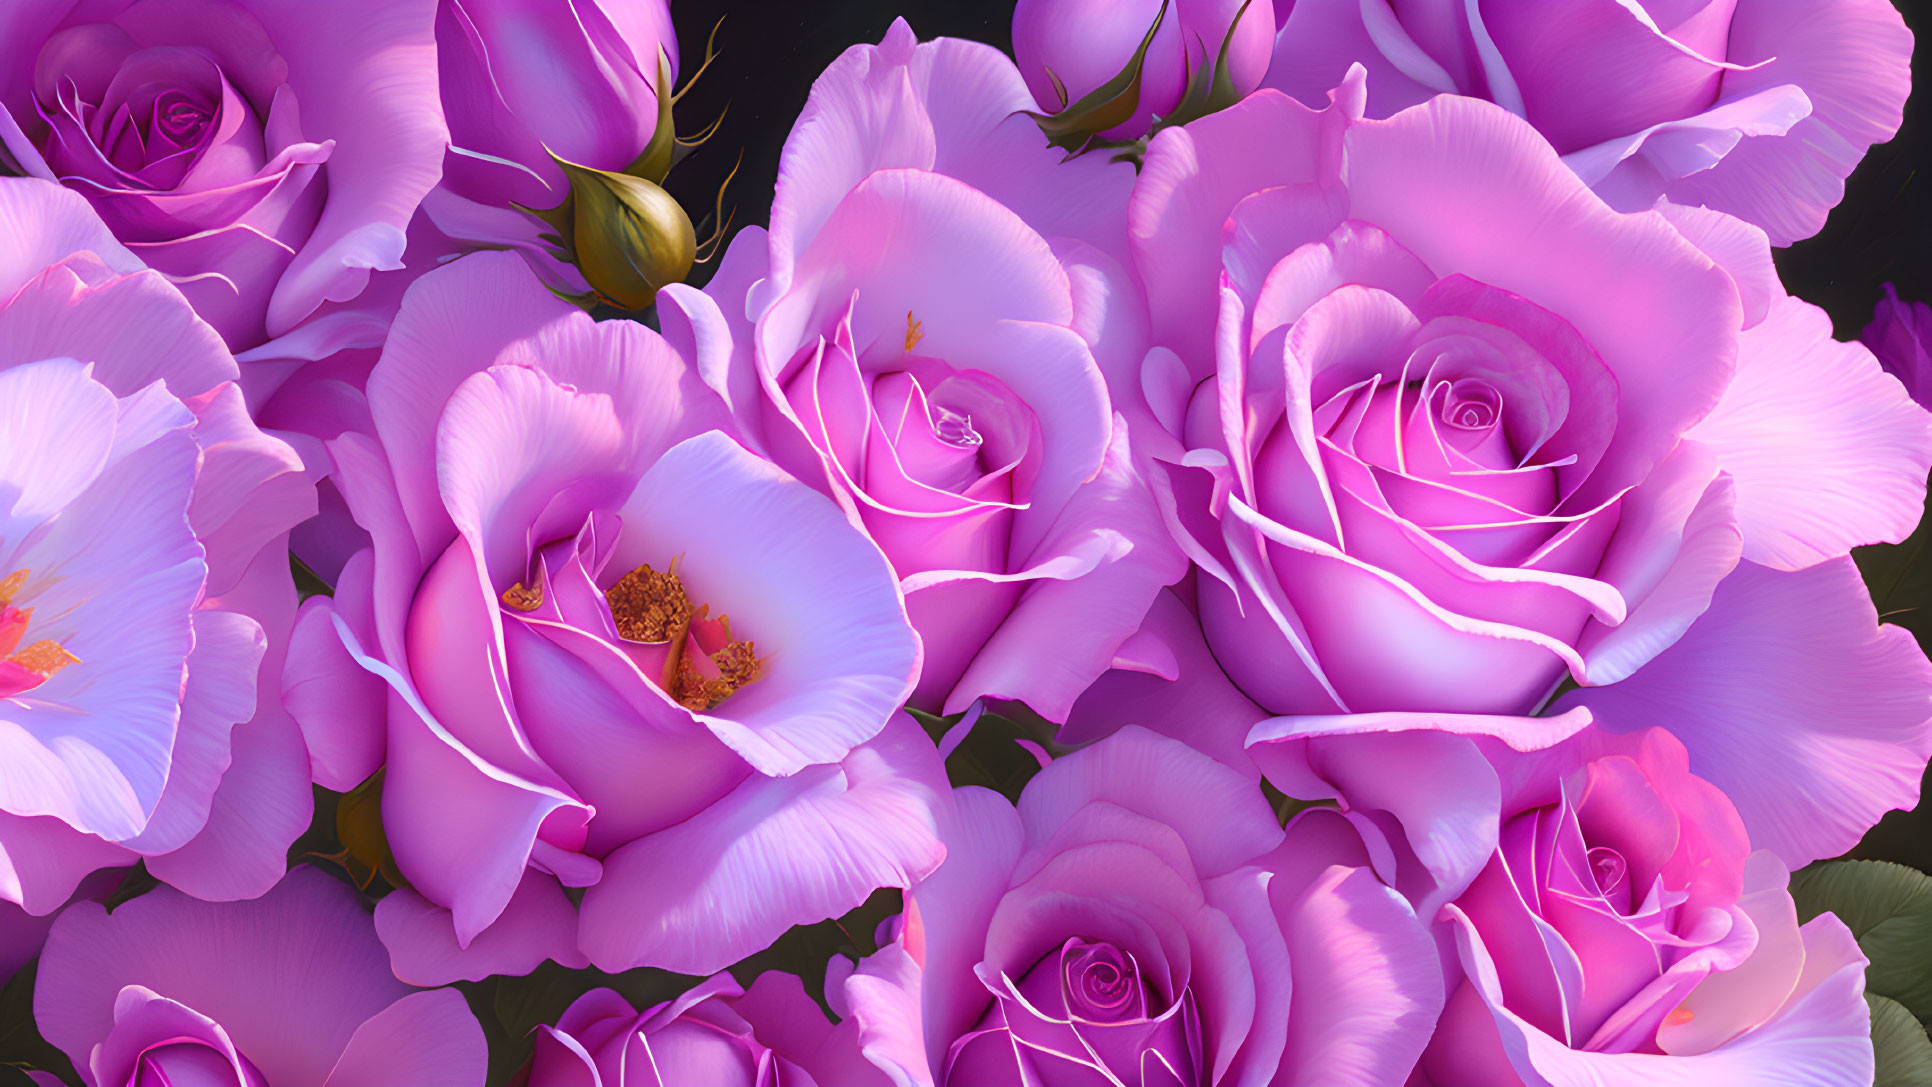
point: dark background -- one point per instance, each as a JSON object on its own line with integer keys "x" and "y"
{"x": 771, "y": 50}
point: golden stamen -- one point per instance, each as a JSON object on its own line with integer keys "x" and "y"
{"x": 652, "y": 606}
{"x": 11, "y": 587}
{"x": 915, "y": 331}
{"x": 44, "y": 658}
{"x": 525, "y": 597}
{"x": 649, "y": 606}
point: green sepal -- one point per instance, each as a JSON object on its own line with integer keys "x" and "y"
{"x": 658, "y": 156}
{"x": 1077, "y": 127}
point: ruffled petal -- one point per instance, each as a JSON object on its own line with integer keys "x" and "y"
{"x": 777, "y": 852}
{"x": 1827, "y": 449}
{"x": 1794, "y": 700}
{"x": 236, "y": 962}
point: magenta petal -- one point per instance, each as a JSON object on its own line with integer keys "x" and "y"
{"x": 45, "y": 224}
{"x": 1851, "y": 58}
{"x": 1223, "y": 822}
{"x": 42, "y": 860}
{"x": 1794, "y": 700}
{"x": 338, "y": 705}
{"x": 452, "y": 324}
{"x": 77, "y": 309}
{"x": 539, "y": 923}
{"x": 422, "y": 1040}
{"x": 1026, "y": 658}
{"x": 237, "y": 963}
{"x": 1192, "y": 179}
{"x": 367, "y": 80}
{"x": 1367, "y": 985}
{"x": 1828, "y": 450}
{"x": 262, "y": 805}
{"x": 777, "y": 852}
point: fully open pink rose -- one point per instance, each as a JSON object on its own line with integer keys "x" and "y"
{"x": 266, "y": 155}
{"x": 912, "y": 349}
{"x": 1441, "y": 430}
{"x": 717, "y": 1035}
{"x": 1142, "y": 919}
{"x": 289, "y": 990}
{"x": 1757, "y": 108}
{"x": 1068, "y": 48}
{"x": 597, "y": 644}
{"x": 146, "y": 598}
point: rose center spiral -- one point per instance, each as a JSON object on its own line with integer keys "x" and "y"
{"x": 1471, "y": 404}
{"x": 1102, "y": 983}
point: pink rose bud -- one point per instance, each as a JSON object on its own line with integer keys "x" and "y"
{"x": 1068, "y": 48}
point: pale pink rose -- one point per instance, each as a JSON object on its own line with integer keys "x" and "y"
{"x": 146, "y": 597}
{"x": 918, "y": 349}
{"x": 594, "y": 643}
{"x": 1601, "y": 907}
{"x": 1142, "y": 918}
{"x": 1441, "y": 430}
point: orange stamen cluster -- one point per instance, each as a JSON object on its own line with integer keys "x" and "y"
{"x": 40, "y": 659}
{"x": 525, "y": 597}
{"x": 44, "y": 658}
{"x": 915, "y": 331}
{"x": 649, "y": 606}
{"x": 652, "y": 606}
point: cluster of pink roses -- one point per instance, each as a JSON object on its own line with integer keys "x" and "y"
{"x": 1416, "y": 426}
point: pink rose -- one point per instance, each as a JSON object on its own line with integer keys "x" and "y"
{"x": 1441, "y": 430}
{"x": 1757, "y": 108}
{"x": 146, "y": 598}
{"x": 1142, "y": 919}
{"x": 1075, "y": 46}
{"x": 717, "y": 1035}
{"x": 266, "y": 155}
{"x": 289, "y": 989}
{"x": 596, "y": 644}
{"x": 1900, "y": 334}
{"x": 911, "y": 349}
{"x": 1604, "y": 910}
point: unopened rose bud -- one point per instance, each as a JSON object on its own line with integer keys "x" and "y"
{"x": 627, "y": 234}
{"x": 1068, "y": 49}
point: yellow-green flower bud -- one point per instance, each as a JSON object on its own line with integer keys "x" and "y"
{"x": 627, "y": 234}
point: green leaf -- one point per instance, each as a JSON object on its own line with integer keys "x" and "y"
{"x": 995, "y": 754}
{"x": 1899, "y": 577}
{"x": 21, "y": 1045}
{"x": 1899, "y": 1045}
{"x": 1888, "y": 908}
{"x": 307, "y": 582}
